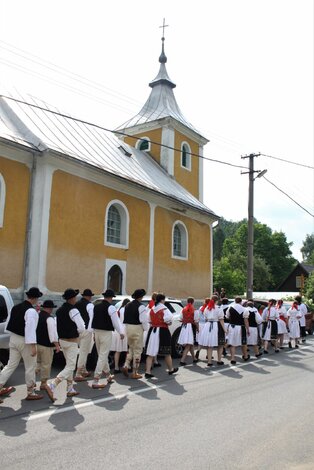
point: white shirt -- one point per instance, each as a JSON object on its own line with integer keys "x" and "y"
{"x": 258, "y": 317}
{"x": 303, "y": 312}
{"x": 31, "y": 322}
{"x": 52, "y": 330}
{"x": 112, "y": 311}
{"x": 270, "y": 313}
{"x": 215, "y": 314}
{"x": 90, "y": 311}
{"x": 78, "y": 320}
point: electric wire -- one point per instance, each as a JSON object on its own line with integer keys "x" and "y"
{"x": 288, "y": 161}
{"x": 283, "y": 192}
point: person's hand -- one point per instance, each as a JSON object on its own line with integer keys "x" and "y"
{"x": 121, "y": 336}
{"x": 34, "y": 350}
{"x": 58, "y": 348}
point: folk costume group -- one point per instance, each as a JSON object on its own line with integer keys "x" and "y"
{"x": 79, "y": 324}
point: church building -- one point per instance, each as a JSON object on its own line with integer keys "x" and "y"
{"x": 83, "y": 207}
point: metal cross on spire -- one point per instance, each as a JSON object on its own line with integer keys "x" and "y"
{"x": 163, "y": 28}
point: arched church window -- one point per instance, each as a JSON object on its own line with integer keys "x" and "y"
{"x": 179, "y": 241}
{"x": 185, "y": 156}
{"x": 144, "y": 144}
{"x": 117, "y": 225}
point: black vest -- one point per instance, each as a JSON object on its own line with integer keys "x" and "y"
{"x": 235, "y": 318}
{"x": 65, "y": 326}
{"x": 42, "y": 329}
{"x": 102, "y": 320}
{"x": 16, "y": 323}
{"x": 131, "y": 313}
{"x": 252, "y": 318}
{"x": 224, "y": 309}
{"x": 81, "y": 306}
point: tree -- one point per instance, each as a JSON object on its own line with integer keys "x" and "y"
{"x": 307, "y": 249}
{"x": 273, "y": 259}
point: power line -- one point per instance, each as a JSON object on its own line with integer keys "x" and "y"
{"x": 283, "y": 192}
{"x": 288, "y": 161}
{"x": 82, "y": 121}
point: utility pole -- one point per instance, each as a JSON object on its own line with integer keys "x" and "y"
{"x": 250, "y": 236}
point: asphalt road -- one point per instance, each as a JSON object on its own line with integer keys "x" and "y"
{"x": 255, "y": 415}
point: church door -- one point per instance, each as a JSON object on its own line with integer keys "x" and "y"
{"x": 114, "y": 280}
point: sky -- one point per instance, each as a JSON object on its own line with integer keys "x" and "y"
{"x": 244, "y": 76}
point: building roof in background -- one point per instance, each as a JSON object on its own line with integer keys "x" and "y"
{"x": 40, "y": 127}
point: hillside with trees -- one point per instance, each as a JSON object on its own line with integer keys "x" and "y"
{"x": 273, "y": 259}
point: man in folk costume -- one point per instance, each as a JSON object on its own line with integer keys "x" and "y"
{"x": 189, "y": 318}
{"x": 47, "y": 341}
{"x": 302, "y": 320}
{"x": 86, "y": 309}
{"x": 105, "y": 321}
{"x": 238, "y": 329}
{"x": 255, "y": 320}
{"x": 69, "y": 326}
{"x": 135, "y": 318}
{"x": 270, "y": 326}
{"x": 22, "y": 324}
{"x": 159, "y": 337}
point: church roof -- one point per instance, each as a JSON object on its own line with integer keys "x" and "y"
{"x": 161, "y": 102}
{"x": 39, "y": 127}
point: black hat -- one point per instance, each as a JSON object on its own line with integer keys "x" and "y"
{"x": 88, "y": 293}
{"x": 70, "y": 293}
{"x": 109, "y": 293}
{"x": 48, "y": 304}
{"x": 33, "y": 293}
{"x": 138, "y": 293}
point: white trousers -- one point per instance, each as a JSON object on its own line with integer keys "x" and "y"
{"x": 19, "y": 350}
{"x": 70, "y": 350}
{"x": 103, "y": 340}
{"x": 86, "y": 344}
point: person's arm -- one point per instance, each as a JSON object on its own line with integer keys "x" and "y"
{"x": 168, "y": 317}
{"x": 246, "y": 321}
{"x": 143, "y": 315}
{"x": 78, "y": 320}
{"x": 90, "y": 311}
{"x": 52, "y": 332}
{"x": 31, "y": 322}
{"x": 115, "y": 320}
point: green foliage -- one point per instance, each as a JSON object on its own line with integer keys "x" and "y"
{"x": 309, "y": 290}
{"x": 307, "y": 249}
{"x": 273, "y": 259}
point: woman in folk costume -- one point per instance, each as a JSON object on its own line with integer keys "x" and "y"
{"x": 213, "y": 333}
{"x": 119, "y": 345}
{"x": 294, "y": 316}
{"x": 255, "y": 319}
{"x": 150, "y": 305}
{"x": 270, "y": 326}
{"x": 281, "y": 322}
{"x": 188, "y": 317}
{"x": 238, "y": 330}
{"x": 158, "y": 340}
{"x": 201, "y": 323}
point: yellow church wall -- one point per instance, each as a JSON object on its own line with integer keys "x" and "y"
{"x": 175, "y": 277}
{"x": 154, "y": 136}
{"x": 76, "y": 249}
{"x": 188, "y": 179}
{"x": 16, "y": 176}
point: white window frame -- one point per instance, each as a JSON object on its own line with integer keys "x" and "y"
{"x": 189, "y": 160}
{"x": 124, "y": 214}
{"x": 185, "y": 238}
{"x": 139, "y": 142}
{"x": 2, "y": 199}
{"x": 122, "y": 265}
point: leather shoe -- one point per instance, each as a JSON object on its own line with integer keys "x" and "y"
{"x": 135, "y": 375}
{"x": 34, "y": 396}
{"x": 6, "y": 390}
